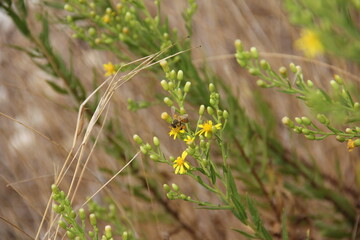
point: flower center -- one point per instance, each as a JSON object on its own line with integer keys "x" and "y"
{"x": 180, "y": 161}
{"x": 207, "y": 127}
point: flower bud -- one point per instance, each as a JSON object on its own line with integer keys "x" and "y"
{"x": 254, "y": 53}
{"x": 156, "y": 141}
{"x": 164, "y": 85}
{"x": 165, "y": 116}
{"x": 166, "y": 188}
{"x": 238, "y": 45}
{"x": 293, "y": 67}
{"x": 340, "y": 138}
{"x": 143, "y": 150}
{"x": 82, "y": 214}
{"x": 211, "y": 87}
{"x": 187, "y": 87}
{"x": 283, "y": 71}
{"x": 225, "y": 114}
{"x": 164, "y": 65}
{"x": 310, "y": 137}
{"x": 357, "y": 142}
{"x": 154, "y": 157}
{"x": 210, "y": 110}
{"x": 322, "y": 119}
{"x": 168, "y": 101}
{"x": 260, "y": 83}
{"x": 264, "y": 64}
{"x": 298, "y": 120}
{"x": 92, "y": 218}
{"x": 349, "y": 130}
{"x": 172, "y": 74}
{"x": 170, "y": 196}
{"x": 70, "y": 234}
{"x": 338, "y": 79}
{"x": 180, "y": 75}
{"x": 201, "y": 110}
{"x": 306, "y": 120}
{"x": 254, "y": 71}
{"x": 124, "y": 236}
{"x": 305, "y": 131}
{"x": 137, "y": 139}
{"x": 287, "y": 121}
{"x": 183, "y": 196}
{"x": 175, "y": 187}
{"x": 310, "y": 83}
{"x": 108, "y": 233}
{"x": 62, "y": 224}
{"x": 68, "y": 8}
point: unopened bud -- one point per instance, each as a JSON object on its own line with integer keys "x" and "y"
{"x": 201, "y": 110}
{"x": 180, "y": 75}
{"x": 254, "y": 53}
{"x": 175, "y": 187}
{"x": 187, "y": 87}
{"x": 164, "y": 85}
{"x": 168, "y": 101}
{"x": 137, "y": 139}
{"x": 238, "y": 45}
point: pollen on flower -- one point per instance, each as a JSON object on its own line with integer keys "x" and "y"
{"x": 350, "y": 145}
{"x": 309, "y": 43}
{"x": 207, "y": 128}
{"x": 109, "y": 68}
{"x": 180, "y": 165}
{"x": 176, "y": 131}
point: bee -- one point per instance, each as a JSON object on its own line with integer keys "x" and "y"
{"x": 178, "y": 120}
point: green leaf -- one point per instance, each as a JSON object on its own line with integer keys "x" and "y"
{"x": 19, "y": 22}
{"x": 239, "y": 210}
{"x": 256, "y": 219}
{"x": 20, "y": 5}
{"x": 212, "y": 174}
{"x": 44, "y": 35}
{"x": 57, "y": 88}
{"x": 245, "y": 234}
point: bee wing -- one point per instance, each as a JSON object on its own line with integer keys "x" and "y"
{"x": 184, "y": 116}
{"x": 173, "y": 111}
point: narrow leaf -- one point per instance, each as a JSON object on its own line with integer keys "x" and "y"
{"x": 57, "y": 88}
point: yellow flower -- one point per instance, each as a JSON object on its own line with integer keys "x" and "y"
{"x": 350, "y": 145}
{"x": 309, "y": 43}
{"x": 207, "y": 128}
{"x": 106, "y": 18}
{"x": 189, "y": 140}
{"x": 180, "y": 165}
{"x": 176, "y": 131}
{"x": 109, "y": 68}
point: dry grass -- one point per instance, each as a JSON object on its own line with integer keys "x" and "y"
{"x": 30, "y": 162}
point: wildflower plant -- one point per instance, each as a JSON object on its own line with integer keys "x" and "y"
{"x": 231, "y": 155}
{"x": 331, "y": 108}
{"x": 74, "y": 223}
{"x": 336, "y": 114}
{"x": 202, "y": 138}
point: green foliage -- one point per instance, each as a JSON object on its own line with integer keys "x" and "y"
{"x": 75, "y": 223}
{"x": 335, "y": 22}
{"x": 332, "y": 108}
